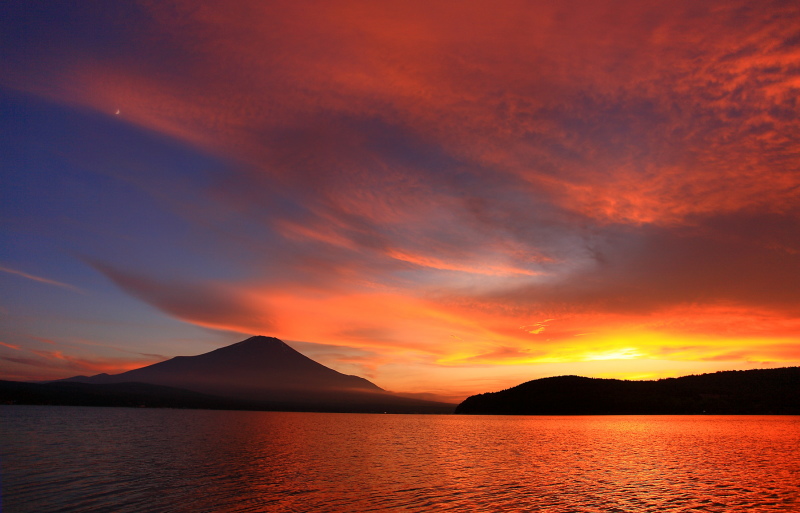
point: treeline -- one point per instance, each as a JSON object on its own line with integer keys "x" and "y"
{"x": 751, "y": 392}
{"x": 144, "y": 395}
{"x": 132, "y": 395}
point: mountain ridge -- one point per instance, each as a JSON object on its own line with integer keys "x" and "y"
{"x": 264, "y": 373}
{"x": 261, "y": 373}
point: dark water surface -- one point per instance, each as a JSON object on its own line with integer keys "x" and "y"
{"x": 117, "y": 459}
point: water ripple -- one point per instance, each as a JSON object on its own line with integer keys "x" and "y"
{"x": 134, "y": 460}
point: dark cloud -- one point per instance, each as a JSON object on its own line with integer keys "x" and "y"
{"x": 26, "y": 361}
{"x": 207, "y": 304}
{"x": 744, "y": 260}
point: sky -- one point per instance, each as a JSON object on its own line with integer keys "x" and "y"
{"x": 445, "y": 197}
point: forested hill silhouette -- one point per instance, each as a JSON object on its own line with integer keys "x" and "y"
{"x": 760, "y": 391}
{"x": 257, "y": 373}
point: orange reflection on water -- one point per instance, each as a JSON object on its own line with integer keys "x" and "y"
{"x": 124, "y": 459}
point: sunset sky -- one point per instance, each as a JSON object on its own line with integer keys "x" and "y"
{"x": 442, "y": 197}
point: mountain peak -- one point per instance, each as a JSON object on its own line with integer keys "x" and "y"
{"x": 256, "y": 365}
{"x": 260, "y": 350}
{"x": 261, "y": 339}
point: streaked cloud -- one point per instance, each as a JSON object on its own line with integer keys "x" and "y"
{"x": 56, "y": 364}
{"x": 39, "y": 279}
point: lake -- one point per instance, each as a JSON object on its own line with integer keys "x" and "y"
{"x": 137, "y": 460}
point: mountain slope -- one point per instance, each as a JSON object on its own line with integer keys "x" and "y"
{"x": 254, "y": 365}
{"x": 265, "y": 373}
{"x": 760, "y": 391}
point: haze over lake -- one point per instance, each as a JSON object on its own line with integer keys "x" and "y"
{"x": 121, "y": 459}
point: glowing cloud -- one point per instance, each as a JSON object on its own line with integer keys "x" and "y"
{"x": 446, "y": 187}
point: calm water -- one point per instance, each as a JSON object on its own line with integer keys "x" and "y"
{"x": 117, "y": 459}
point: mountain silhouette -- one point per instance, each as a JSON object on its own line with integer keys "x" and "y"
{"x": 758, "y": 391}
{"x": 265, "y": 373}
{"x": 254, "y": 365}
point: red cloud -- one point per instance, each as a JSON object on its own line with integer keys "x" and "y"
{"x": 424, "y": 170}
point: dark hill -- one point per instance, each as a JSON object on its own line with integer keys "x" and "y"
{"x": 265, "y": 373}
{"x": 760, "y": 391}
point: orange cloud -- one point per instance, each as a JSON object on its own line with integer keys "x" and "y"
{"x": 422, "y": 180}
{"x": 209, "y": 305}
{"x": 53, "y": 364}
{"x": 648, "y": 151}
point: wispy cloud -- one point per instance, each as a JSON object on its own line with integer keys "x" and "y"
{"x": 40, "y": 279}
{"x": 45, "y": 362}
